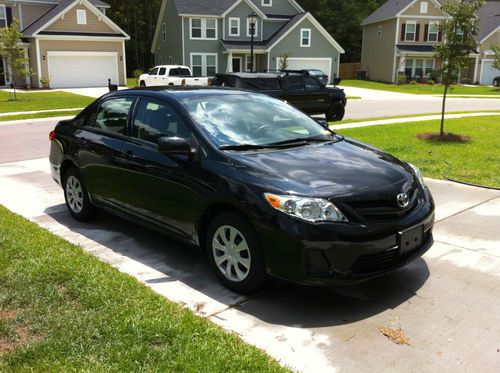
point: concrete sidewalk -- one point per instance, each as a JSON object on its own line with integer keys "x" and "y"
{"x": 447, "y": 303}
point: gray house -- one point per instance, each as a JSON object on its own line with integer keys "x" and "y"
{"x": 213, "y": 36}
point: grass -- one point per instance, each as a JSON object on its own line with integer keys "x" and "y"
{"x": 474, "y": 162}
{"x": 40, "y": 115}
{"x": 63, "y": 310}
{"x": 422, "y": 88}
{"x": 347, "y": 121}
{"x": 42, "y": 101}
{"x": 131, "y": 82}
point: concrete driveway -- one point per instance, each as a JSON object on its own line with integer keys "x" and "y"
{"x": 447, "y": 303}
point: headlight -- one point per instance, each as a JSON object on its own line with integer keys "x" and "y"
{"x": 418, "y": 174}
{"x": 308, "y": 209}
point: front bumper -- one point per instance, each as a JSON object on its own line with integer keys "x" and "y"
{"x": 329, "y": 254}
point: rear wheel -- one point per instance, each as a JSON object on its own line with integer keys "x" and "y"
{"x": 76, "y": 196}
{"x": 335, "y": 112}
{"x": 142, "y": 83}
{"x": 496, "y": 82}
{"x": 235, "y": 254}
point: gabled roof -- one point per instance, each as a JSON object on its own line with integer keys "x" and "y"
{"x": 489, "y": 19}
{"x": 203, "y": 7}
{"x": 387, "y": 10}
{"x": 97, "y": 3}
{"x": 64, "y": 6}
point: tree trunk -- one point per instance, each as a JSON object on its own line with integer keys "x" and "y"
{"x": 446, "y": 84}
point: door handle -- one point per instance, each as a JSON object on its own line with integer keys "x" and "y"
{"x": 128, "y": 154}
{"x": 83, "y": 141}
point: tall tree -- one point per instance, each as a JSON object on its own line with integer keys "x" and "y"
{"x": 342, "y": 19}
{"x": 137, "y": 18}
{"x": 458, "y": 42}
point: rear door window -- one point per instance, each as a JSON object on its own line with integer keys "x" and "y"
{"x": 155, "y": 119}
{"x": 294, "y": 83}
{"x": 312, "y": 83}
{"x": 262, "y": 84}
{"x": 112, "y": 115}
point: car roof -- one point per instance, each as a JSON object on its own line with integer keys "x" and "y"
{"x": 252, "y": 75}
{"x": 179, "y": 92}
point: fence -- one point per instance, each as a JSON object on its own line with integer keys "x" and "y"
{"x": 349, "y": 70}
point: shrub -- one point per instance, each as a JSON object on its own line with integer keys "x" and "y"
{"x": 137, "y": 73}
{"x": 431, "y": 82}
{"x": 45, "y": 82}
{"x": 413, "y": 82}
{"x": 401, "y": 79}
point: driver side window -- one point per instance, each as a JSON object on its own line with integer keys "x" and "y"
{"x": 155, "y": 119}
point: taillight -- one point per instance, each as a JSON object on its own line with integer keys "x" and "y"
{"x": 52, "y": 135}
{"x": 183, "y": 82}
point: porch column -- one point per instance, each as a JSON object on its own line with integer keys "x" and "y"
{"x": 476, "y": 67}
{"x": 230, "y": 62}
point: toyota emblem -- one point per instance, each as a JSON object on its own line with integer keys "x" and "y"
{"x": 403, "y": 200}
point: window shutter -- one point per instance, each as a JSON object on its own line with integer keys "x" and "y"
{"x": 440, "y": 36}
{"x": 426, "y": 32}
{"x": 403, "y": 31}
{"x": 417, "y": 33}
{"x": 9, "y": 16}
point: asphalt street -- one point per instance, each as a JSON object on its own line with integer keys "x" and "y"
{"x": 446, "y": 304}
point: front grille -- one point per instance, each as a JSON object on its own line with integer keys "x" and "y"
{"x": 376, "y": 262}
{"x": 385, "y": 209}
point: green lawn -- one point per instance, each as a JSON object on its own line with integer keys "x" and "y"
{"x": 475, "y": 162}
{"x": 421, "y": 88}
{"x": 131, "y": 82}
{"x": 42, "y": 101}
{"x": 73, "y": 113}
{"x": 63, "y": 310}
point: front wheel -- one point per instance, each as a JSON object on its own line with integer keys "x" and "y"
{"x": 76, "y": 196}
{"x": 142, "y": 84}
{"x": 234, "y": 253}
{"x": 335, "y": 112}
{"x": 496, "y": 82}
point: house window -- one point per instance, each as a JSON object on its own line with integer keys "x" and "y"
{"x": 411, "y": 30}
{"x": 164, "y": 31}
{"x": 424, "y": 6}
{"x": 379, "y": 31}
{"x": 418, "y": 67}
{"x": 249, "y": 30}
{"x": 267, "y": 2}
{"x": 3, "y": 16}
{"x": 203, "y": 28}
{"x": 247, "y": 62}
{"x": 433, "y": 32}
{"x": 204, "y": 64}
{"x": 234, "y": 27}
{"x": 81, "y": 16}
{"x": 305, "y": 37}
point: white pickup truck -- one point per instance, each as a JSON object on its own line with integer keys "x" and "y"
{"x": 171, "y": 75}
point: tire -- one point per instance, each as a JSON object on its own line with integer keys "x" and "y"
{"x": 142, "y": 84}
{"x": 243, "y": 268}
{"x": 76, "y": 196}
{"x": 335, "y": 112}
{"x": 496, "y": 82}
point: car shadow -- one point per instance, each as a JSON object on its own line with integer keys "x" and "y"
{"x": 281, "y": 303}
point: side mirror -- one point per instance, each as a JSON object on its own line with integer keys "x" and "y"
{"x": 173, "y": 145}
{"x": 323, "y": 123}
{"x": 337, "y": 81}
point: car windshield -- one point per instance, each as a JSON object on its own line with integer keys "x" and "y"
{"x": 252, "y": 120}
{"x": 316, "y": 72}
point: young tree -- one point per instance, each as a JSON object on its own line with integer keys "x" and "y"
{"x": 496, "y": 56}
{"x": 10, "y": 39}
{"x": 457, "y": 30}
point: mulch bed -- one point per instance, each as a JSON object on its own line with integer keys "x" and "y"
{"x": 447, "y": 137}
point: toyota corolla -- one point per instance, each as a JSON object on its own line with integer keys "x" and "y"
{"x": 262, "y": 188}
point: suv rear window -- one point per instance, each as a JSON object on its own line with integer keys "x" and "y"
{"x": 262, "y": 83}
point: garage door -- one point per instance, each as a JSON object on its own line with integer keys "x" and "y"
{"x": 82, "y": 69}
{"x": 323, "y": 64}
{"x": 488, "y": 73}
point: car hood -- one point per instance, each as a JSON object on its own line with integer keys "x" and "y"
{"x": 342, "y": 169}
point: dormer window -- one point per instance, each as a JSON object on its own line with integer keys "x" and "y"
{"x": 81, "y": 17}
{"x": 267, "y": 2}
{"x": 3, "y": 16}
{"x": 424, "y": 7}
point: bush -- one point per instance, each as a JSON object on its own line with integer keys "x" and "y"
{"x": 431, "y": 82}
{"x": 137, "y": 73}
{"x": 401, "y": 79}
{"x": 413, "y": 82}
{"x": 45, "y": 82}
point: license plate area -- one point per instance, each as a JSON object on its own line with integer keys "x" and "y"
{"x": 410, "y": 239}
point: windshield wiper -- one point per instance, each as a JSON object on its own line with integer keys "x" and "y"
{"x": 302, "y": 140}
{"x": 242, "y": 147}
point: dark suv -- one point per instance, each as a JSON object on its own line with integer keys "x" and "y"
{"x": 304, "y": 92}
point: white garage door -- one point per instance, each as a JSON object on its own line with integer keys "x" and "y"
{"x": 488, "y": 73}
{"x": 323, "y": 64}
{"x": 82, "y": 69}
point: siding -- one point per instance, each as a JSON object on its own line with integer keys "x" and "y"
{"x": 69, "y": 23}
{"x": 320, "y": 47}
{"x": 172, "y": 47}
{"x": 378, "y": 52}
{"x": 270, "y": 27}
{"x": 279, "y": 7}
{"x": 432, "y": 9}
{"x": 492, "y": 40}
{"x": 421, "y": 35}
{"x": 32, "y": 12}
{"x": 241, "y": 11}
{"x": 81, "y": 46}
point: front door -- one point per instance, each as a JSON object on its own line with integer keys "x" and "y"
{"x": 236, "y": 64}
{"x": 2, "y": 72}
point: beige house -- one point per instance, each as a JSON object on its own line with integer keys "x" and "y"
{"x": 400, "y": 37}
{"x": 71, "y": 42}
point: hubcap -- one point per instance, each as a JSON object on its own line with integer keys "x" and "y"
{"x": 74, "y": 194}
{"x": 231, "y": 253}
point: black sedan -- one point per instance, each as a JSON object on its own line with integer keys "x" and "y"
{"x": 262, "y": 187}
